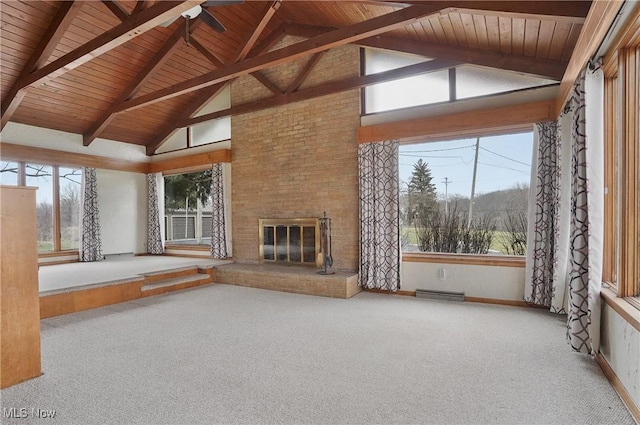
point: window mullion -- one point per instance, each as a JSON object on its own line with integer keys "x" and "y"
{"x": 56, "y": 209}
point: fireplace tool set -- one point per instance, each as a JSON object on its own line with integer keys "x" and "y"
{"x": 325, "y": 245}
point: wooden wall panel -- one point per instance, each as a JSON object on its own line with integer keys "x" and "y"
{"x": 472, "y": 123}
{"x": 19, "y": 302}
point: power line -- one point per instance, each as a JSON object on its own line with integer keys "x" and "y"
{"x": 506, "y": 168}
{"x": 505, "y": 157}
{"x": 430, "y": 156}
{"x": 442, "y": 150}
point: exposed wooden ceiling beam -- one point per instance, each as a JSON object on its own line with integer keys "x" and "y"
{"x": 140, "y": 6}
{"x": 216, "y": 61}
{"x": 339, "y": 37}
{"x": 204, "y": 97}
{"x": 132, "y": 27}
{"x": 117, "y": 9}
{"x": 268, "y": 42}
{"x": 566, "y": 10}
{"x": 61, "y": 22}
{"x": 538, "y": 67}
{"x": 252, "y": 37}
{"x": 532, "y": 66}
{"x": 267, "y": 83}
{"x": 209, "y": 94}
{"x": 304, "y": 73}
{"x": 596, "y": 26}
{"x": 325, "y": 89}
{"x": 160, "y": 58}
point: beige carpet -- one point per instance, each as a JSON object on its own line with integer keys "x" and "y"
{"x": 228, "y": 354}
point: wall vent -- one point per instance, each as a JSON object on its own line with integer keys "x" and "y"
{"x": 440, "y": 295}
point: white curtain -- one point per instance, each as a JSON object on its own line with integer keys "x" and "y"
{"x": 90, "y": 241}
{"x": 218, "y": 218}
{"x": 379, "y": 216}
{"x": 155, "y": 240}
{"x": 564, "y": 246}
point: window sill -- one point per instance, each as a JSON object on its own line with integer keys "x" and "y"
{"x": 464, "y": 259}
{"x": 625, "y": 307}
{"x": 53, "y": 254}
{"x": 187, "y": 247}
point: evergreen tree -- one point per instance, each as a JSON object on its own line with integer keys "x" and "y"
{"x": 182, "y": 190}
{"x": 421, "y": 192}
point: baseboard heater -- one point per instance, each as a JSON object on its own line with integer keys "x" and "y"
{"x": 440, "y": 295}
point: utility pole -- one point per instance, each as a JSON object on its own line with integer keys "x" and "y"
{"x": 473, "y": 182}
{"x": 446, "y": 182}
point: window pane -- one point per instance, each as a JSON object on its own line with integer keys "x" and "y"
{"x": 9, "y": 173}
{"x": 70, "y": 182}
{"x": 418, "y": 90}
{"x": 188, "y": 208}
{"x": 436, "y": 184}
{"x": 474, "y": 81}
{"x": 40, "y": 176}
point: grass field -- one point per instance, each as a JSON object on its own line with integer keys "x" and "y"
{"x": 496, "y": 244}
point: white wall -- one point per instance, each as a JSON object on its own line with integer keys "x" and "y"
{"x": 500, "y": 283}
{"x": 620, "y": 345}
{"x": 122, "y": 197}
{"x": 28, "y": 135}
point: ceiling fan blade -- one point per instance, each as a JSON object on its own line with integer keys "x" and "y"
{"x": 210, "y": 20}
{"x": 221, "y": 3}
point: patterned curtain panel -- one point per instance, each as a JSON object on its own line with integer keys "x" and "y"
{"x": 585, "y": 277}
{"x": 564, "y": 247}
{"x": 218, "y": 221}
{"x": 379, "y": 217}
{"x": 546, "y": 273}
{"x": 154, "y": 233}
{"x": 90, "y": 241}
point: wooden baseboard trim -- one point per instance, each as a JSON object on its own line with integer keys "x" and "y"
{"x": 617, "y": 385}
{"x": 513, "y": 303}
{"x": 54, "y": 263}
{"x": 468, "y": 299}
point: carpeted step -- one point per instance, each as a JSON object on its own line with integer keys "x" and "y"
{"x": 178, "y": 282}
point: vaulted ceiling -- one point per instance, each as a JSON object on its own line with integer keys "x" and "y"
{"x": 109, "y": 68}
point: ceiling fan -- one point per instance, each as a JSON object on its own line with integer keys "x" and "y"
{"x": 200, "y": 11}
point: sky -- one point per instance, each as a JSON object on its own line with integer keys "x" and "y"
{"x": 503, "y": 162}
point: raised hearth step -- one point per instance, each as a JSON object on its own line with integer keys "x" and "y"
{"x": 193, "y": 278}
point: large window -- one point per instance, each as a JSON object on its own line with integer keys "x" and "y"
{"x": 621, "y": 266}
{"x": 188, "y": 209}
{"x": 461, "y": 82}
{"x": 57, "y": 201}
{"x": 466, "y": 196}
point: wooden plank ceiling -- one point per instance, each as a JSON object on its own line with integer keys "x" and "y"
{"x": 109, "y": 69}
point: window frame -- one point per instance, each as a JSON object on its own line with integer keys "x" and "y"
{"x": 489, "y": 259}
{"x": 167, "y": 243}
{"x": 621, "y": 67}
{"x": 55, "y": 176}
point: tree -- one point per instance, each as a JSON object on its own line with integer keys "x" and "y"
{"x": 423, "y": 200}
{"x": 185, "y": 190}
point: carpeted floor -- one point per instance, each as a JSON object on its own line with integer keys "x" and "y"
{"x": 227, "y": 354}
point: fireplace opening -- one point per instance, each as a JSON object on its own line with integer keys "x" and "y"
{"x": 290, "y": 241}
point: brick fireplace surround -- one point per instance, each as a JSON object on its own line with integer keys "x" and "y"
{"x": 297, "y": 160}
